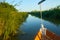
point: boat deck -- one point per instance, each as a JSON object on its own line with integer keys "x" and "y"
{"x": 52, "y": 36}
{"x": 49, "y": 36}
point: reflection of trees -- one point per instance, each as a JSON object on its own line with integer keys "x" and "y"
{"x": 55, "y": 21}
{"x": 51, "y": 15}
{"x": 37, "y": 14}
{"x": 10, "y": 20}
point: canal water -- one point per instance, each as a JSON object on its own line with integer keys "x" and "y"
{"x": 33, "y": 24}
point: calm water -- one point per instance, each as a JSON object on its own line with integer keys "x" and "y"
{"x": 32, "y": 25}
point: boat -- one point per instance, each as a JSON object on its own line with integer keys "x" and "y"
{"x": 45, "y": 34}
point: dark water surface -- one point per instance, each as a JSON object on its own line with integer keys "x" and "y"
{"x": 32, "y": 25}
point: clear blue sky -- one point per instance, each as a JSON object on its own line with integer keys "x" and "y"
{"x": 31, "y": 5}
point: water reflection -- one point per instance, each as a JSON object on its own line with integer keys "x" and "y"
{"x": 55, "y": 21}
{"x": 32, "y": 26}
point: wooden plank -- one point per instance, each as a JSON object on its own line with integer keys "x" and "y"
{"x": 38, "y": 36}
{"x": 52, "y": 35}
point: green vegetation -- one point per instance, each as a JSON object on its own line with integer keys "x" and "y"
{"x": 53, "y": 13}
{"x": 37, "y": 14}
{"x": 10, "y": 20}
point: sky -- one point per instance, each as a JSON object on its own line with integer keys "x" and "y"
{"x": 32, "y": 5}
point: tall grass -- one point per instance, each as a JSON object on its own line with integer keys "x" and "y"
{"x": 10, "y": 20}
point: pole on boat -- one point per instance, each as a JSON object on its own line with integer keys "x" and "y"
{"x": 42, "y": 30}
{"x": 41, "y": 11}
{"x": 42, "y": 26}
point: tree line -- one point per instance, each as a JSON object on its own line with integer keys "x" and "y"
{"x": 53, "y": 13}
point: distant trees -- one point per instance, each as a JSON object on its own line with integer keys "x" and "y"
{"x": 35, "y": 13}
{"x": 53, "y": 13}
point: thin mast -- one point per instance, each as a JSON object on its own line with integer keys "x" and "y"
{"x": 41, "y": 10}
